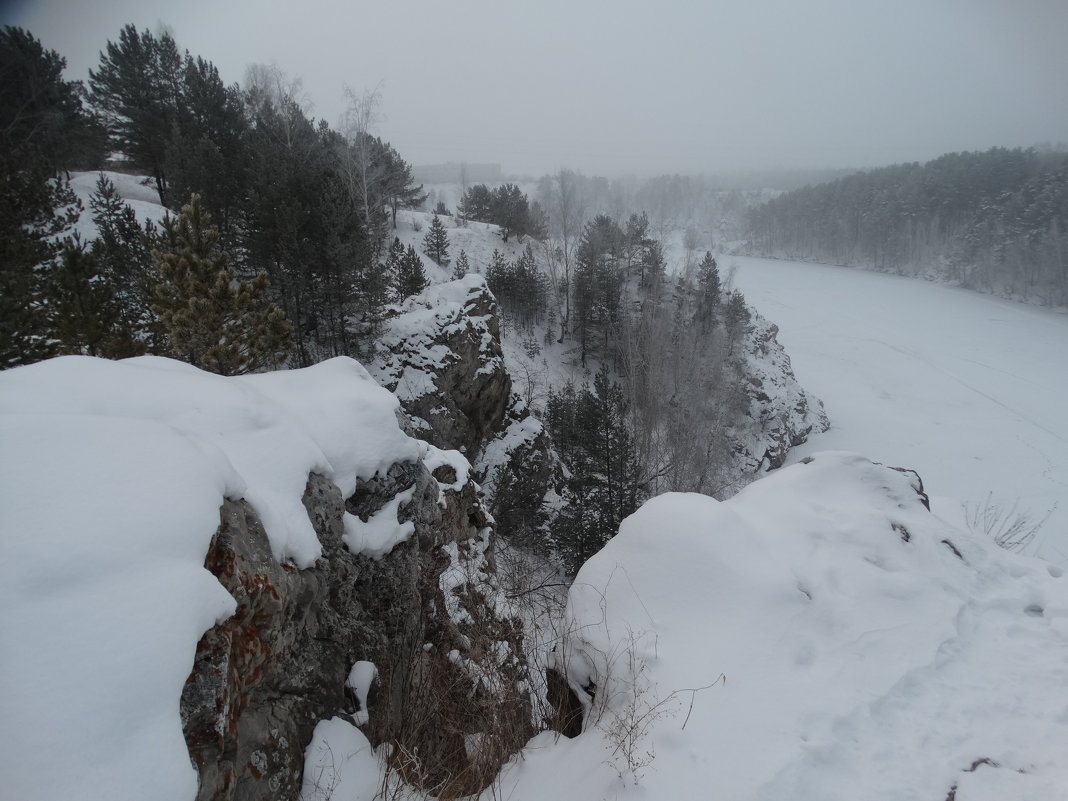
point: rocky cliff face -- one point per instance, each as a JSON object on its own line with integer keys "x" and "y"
{"x": 441, "y": 357}
{"x": 451, "y": 694}
{"x": 428, "y": 615}
{"x": 781, "y": 414}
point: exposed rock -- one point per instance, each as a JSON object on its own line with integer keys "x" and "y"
{"x": 441, "y": 356}
{"x": 783, "y": 414}
{"x": 428, "y": 615}
{"x": 516, "y": 469}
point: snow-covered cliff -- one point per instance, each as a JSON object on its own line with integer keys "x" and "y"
{"x": 238, "y": 547}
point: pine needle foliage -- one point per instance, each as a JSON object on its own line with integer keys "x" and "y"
{"x": 436, "y": 242}
{"x": 213, "y": 319}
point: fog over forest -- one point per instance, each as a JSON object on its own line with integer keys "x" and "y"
{"x": 617, "y": 89}
{"x": 476, "y": 401}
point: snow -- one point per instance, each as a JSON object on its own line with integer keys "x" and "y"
{"x": 136, "y": 190}
{"x": 477, "y": 239}
{"x": 382, "y": 531}
{"x": 360, "y": 678}
{"x": 340, "y": 763}
{"x": 434, "y": 457}
{"x": 110, "y": 487}
{"x": 103, "y": 598}
{"x": 331, "y": 419}
{"x": 498, "y": 451}
{"x": 814, "y": 637}
{"x": 964, "y": 388}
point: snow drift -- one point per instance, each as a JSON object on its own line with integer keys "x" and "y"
{"x": 821, "y": 635}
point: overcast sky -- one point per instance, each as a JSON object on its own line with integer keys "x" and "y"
{"x": 618, "y": 87}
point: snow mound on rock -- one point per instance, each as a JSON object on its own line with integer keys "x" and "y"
{"x": 821, "y": 635}
{"x": 111, "y": 481}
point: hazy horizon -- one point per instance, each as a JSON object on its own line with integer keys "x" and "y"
{"x": 616, "y": 90}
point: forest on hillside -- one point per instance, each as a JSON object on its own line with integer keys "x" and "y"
{"x": 995, "y": 221}
{"x": 295, "y": 209}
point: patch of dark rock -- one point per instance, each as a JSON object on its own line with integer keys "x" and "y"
{"x": 953, "y": 548}
{"x": 903, "y": 532}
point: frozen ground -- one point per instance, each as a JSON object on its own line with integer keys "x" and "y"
{"x": 967, "y": 389}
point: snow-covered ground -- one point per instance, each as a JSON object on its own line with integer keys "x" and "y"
{"x": 967, "y": 389}
{"x": 138, "y": 192}
{"x": 820, "y": 636}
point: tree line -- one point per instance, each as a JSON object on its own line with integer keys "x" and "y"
{"x": 300, "y": 210}
{"x": 995, "y": 221}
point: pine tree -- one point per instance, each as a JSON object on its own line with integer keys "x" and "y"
{"x": 462, "y": 266}
{"x": 42, "y": 123}
{"x": 476, "y": 203}
{"x": 122, "y": 249}
{"x": 708, "y": 292}
{"x": 590, "y": 431}
{"x": 211, "y": 318}
{"x": 411, "y": 277}
{"x": 510, "y": 210}
{"x": 86, "y": 308}
{"x": 436, "y": 243}
{"x": 398, "y": 185}
{"x": 138, "y": 87}
{"x": 735, "y": 316}
{"x": 499, "y": 276}
{"x": 497, "y": 262}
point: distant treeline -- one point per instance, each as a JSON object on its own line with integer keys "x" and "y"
{"x": 995, "y": 221}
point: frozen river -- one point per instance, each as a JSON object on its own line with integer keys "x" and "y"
{"x": 968, "y": 390}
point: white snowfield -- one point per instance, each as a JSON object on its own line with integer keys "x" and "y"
{"x": 967, "y": 389}
{"x": 111, "y": 480}
{"x": 819, "y": 637}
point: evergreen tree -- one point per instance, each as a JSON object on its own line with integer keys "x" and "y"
{"x": 41, "y": 125}
{"x": 520, "y": 287}
{"x": 708, "y": 292}
{"x": 398, "y": 185}
{"x": 652, "y": 267}
{"x": 138, "y": 88}
{"x": 735, "y": 316}
{"x": 85, "y": 307}
{"x": 122, "y": 249}
{"x": 211, "y": 318}
{"x": 477, "y": 203}
{"x": 591, "y": 433}
{"x": 42, "y": 116}
{"x": 511, "y": 211}
{"x": 497, "y": 262}
{"x": 462, "y": 266}
{"x": 436, "y": 242}
{"x": 411, "y": 277}
{"x": 598, "y": 282}
{"x": 207, "y": 150}
{"x": 499, "y": 275}
{"x": 393, "y": 257}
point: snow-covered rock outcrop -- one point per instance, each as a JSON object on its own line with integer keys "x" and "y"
{"x": 781, "y": 414}
{"x": 441, "y": 356}
{"x": 821, "y": 635}
{"x": 342, "y": 543}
